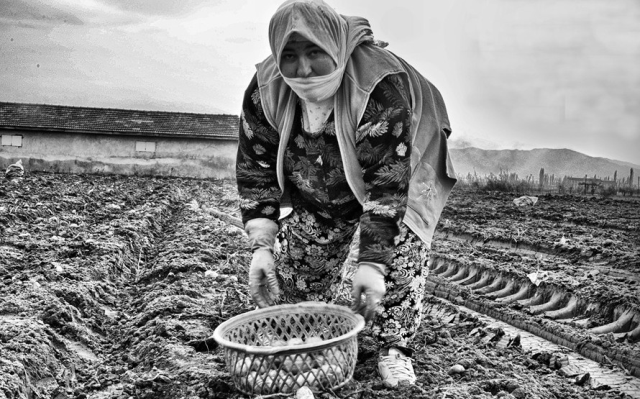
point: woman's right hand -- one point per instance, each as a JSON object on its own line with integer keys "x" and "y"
{"x": 263, "y": 282}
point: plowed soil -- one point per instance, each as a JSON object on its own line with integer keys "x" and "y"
{"x": 111, "y": 287}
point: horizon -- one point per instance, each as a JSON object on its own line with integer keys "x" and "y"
{"x": 549, "y": 148}
{"x": 514, "y": 75}
{"x": 524, "y": 164}
{"x": 615, "y": 160}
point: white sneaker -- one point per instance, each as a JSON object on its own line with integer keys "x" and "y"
{"x": 395, "y": 368}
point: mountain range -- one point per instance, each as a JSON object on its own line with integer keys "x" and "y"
{"x": 559, "y": 162}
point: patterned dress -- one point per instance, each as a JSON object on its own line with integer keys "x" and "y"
{"x": 316, "y": 239}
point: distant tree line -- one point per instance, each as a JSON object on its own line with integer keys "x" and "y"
{"x": 510, "y": 182}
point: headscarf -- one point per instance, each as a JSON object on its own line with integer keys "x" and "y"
{"x": 337, "y": 35}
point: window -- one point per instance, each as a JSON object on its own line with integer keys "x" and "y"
{"x": 11, "y": 140}
{"x": 146, "y": 146}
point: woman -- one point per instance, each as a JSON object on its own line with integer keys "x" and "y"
{"x": 338, "y": 135}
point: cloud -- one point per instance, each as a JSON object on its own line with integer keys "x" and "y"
{"x": 200, "y": 61}
{"x": 35, "y": 15}
{"x": 465, "y": 141}
{"x": 160, "y": 7}
{"x": 552, "y": 73}
{"x": 514, "y": 73}
{"x": 238, "y": 40}
{"x": 40, "y": 14}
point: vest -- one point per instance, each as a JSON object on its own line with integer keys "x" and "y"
{"x": 432, "y": 173}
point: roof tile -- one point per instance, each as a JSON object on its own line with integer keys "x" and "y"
{"x": 117, "y": 121}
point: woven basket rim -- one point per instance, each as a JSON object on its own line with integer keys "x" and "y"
{"x": 286, "y": 309}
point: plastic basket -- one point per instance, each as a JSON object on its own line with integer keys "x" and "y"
{"x": 259, "y": 365}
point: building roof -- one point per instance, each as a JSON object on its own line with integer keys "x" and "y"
{"x": 58, "y": 118}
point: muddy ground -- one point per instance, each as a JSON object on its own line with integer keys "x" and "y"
{"x": 581, "y": 247}
{"x": 110, "y": 287}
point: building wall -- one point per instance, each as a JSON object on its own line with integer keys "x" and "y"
{"x": 111, "y": 154}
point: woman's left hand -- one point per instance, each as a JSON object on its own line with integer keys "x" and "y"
{"x": 368, "y": 280}
{"x": 263, "y": 282}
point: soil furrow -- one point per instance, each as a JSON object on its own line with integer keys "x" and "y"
{"x": 110, "y": 287}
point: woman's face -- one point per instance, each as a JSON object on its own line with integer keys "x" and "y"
{"x": 303, "y": 59}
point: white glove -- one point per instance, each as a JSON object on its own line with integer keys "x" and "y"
{"x": 263, "y": 282}
{"x": 368, "y": 280}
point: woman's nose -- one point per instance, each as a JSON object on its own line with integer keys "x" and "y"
{"x": 304, "y": 68}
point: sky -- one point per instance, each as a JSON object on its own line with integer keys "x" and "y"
{"x": 515, "y": 74}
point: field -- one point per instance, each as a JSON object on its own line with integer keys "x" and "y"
{"x": 110, "y": 287}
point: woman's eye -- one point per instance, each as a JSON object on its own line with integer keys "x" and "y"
{"x": 288, "y": 57}
{"x": 315, "y": 53}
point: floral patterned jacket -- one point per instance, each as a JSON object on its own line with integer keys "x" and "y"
{"x": 314, "y": 169}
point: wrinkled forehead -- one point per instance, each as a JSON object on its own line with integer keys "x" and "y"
{"x": 296, "y": 38}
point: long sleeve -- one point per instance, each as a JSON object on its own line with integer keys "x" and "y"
{"x": 256, "y": 161}
{"x": 383, "y": 143}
